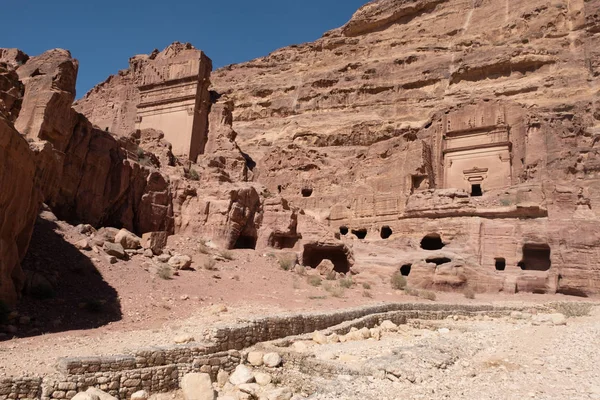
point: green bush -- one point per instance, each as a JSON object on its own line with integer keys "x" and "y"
{"x": 398, "y": 281}
{"x": 193, "y": 175}
{"x": 366, "y": 286}
{"x": 334, "y": 290}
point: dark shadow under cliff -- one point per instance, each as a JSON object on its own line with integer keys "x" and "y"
{"x": 64, "y": 290}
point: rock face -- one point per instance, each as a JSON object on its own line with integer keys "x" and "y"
{"x": 473, "y": 121}
{"x": 177, "y": 77}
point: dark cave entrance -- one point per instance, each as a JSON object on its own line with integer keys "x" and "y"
{"x": 360, "y": 233}
{"x": 344, "y": 230}
{"x": 314, "y": 254}
{"x": 245, "y": 242}
{"x": 405, "y": 269}
{"x": 279, "y": 241}
{"x": 536, "y": 257}
{"x": 476, "y": 190}
{"x": 386, "y": 232}
{"x": 500, "y": 264}
{"x": 433, "y": 241}
{"x": 306, "y": 192}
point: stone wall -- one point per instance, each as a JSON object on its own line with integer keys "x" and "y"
{"x": 160, "y": 369}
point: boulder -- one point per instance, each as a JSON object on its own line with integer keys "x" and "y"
{"x": 388, "y": 326}
{"x": 280, "y": 394}
{"x": 325, "y": 268}
{"x": 101, "y": 395}
{"x": 155, "y": 241}
{"x": 242, "y": 374}
{"x": 115, "y": 249}
{"x": 140, "y": 395}
{"x": 128, "y": 240}
{"x": 197, "y": 387}
{"x": 182, "y": 339}
{"x": 262, "y": 378}
{"x": 85, "y": 396}
{"x": 319, "y": 338}
{"x": 272, "y": 360}
{"x": 180, "y": 262}
{"x": 222, "y": 377}
{"x": 255, "y": 358}
{"x": 83, "y": 244}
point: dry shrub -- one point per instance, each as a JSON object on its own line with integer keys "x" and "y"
{"x": 226, "y": 254}
{"x": 210, "y": 265}
{"x": 398, "y": 281}
{"x": 346, "y": 283}
{"x": 314, "y": 280}
{"x": 286, "y": 263}
{"x": 165, "y": 272}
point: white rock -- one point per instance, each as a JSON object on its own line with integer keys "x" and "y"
{"x": 140, "y": 395}
{"x": 280, "y": 394}
{"x": 319, "y": 338}
{"x": 365, "y": 333}
{"x": 272, "y": 360}
{"x": 444, "y": 331}
{"x": 85, "y": 396}
{"x": 242, "y": 374}
{"x": 197, "y": 387}
{"x": 255, "y": 358}
{"x": 388, "y": 326}
{"x": 558, "y": 319}
{"x": 375, "y": 333}
{"x": 262, "y": 379}
{"x": 222, "y": 377}
{"x": 251, "y": 388}
{"x": 300, "y": 347}
{"x": 333, "y": 338}
{"x": 181, "y": 339}
{"x": 99, "y": 394}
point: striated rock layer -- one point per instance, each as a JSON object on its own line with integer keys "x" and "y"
{"x": 458, "y": 137}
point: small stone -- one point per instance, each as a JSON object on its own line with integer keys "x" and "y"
{"x": 255, "y": 358}
{"x": 163, "y": 258}
{"x": 319, "y": 338}
{"x": 558, "y": 319}
{"x": 181, "y": 339}
{"x": 375, "y": 333}
{"x": 262, "y": 378}
{"x": 148, "y": 253}
{"x": 180, "y": 262}
{"x": 242, "y": 374}
{"x": 272, "y": 360}
{"x": 111, "y": 259}
{"x": 222, "y": 378}
{"x": 83, "y": 244}
{"x": 300, "y": 347}
{"x": 443, "y": 331}
{"x": 388, "y": 326}
{"x": 140, "y": 395}
{"x": 251, "y": 388}
{"x": 280, "y": 394}
{"x": 85, "y": 396}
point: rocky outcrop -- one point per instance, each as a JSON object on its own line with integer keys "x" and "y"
{"x": 20, "y": 199}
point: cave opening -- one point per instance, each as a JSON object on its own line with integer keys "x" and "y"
{"x": 279, "y": 241}
{"x": 438, "y": 260}
{"x": 476, "y": 190}
{"x": 360, "y": 233}
{"x": 245, "y": 242}
{"x": 386, "y": 232}
{"x": 307, "y": 192}
{"x": 536, "y": 257}
{"x": 433, "y": 241}
{"x": 500, "y": 264}
{"x": 405, "y": 269}
{"x": 314, "y": 254}
{"x": 344, "y": 230}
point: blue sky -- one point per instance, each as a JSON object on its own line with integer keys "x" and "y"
{"x": 102, "y": 35}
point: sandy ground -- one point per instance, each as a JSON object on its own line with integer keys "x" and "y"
{"x": 136, "y": 308}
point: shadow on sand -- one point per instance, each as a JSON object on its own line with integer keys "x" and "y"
{"x": 64, "y": 290}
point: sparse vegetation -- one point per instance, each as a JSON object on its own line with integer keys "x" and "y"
{"x": 427, "y": 294}
{"x": 367, "y": 294}
{"x": 332, "y": 276}
{"x": 193, "y": 175}
{"x": 203, "y": 248}
{"x": 366, "y": 286}
{"x": 398, "y": 281}
{"x": 334, "y": 290}
{"x": 314, "y": 280}
{"x": 141, "y": 154}
{"x": 411, "y": 291}
{"x": 469, "y": 292}
{"x": 346, "y": 283}
{"x": 317, "y": 297}
{"x": 210, "y": 265}
{"x": 227, "y": 254}
{"x": 165, "y": 272}
{"x": 571, "y": 310}
{"x": 286, "y": 263}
